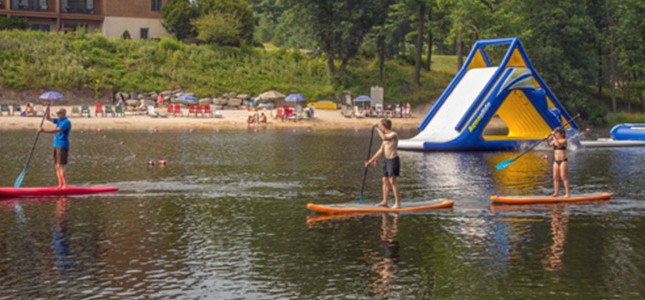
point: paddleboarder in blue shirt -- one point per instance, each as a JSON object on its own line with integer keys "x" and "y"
{"x": 61, "y": 142}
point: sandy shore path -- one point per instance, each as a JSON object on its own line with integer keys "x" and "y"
{"x": 323, "y": 119}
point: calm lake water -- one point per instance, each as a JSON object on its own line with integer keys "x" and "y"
{"x": 226, "y": 219}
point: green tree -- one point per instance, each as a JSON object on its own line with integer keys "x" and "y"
{"x": 630, "y": 50}
{"x": 560, "y": 45}
{"x": 13, "y": 23}
{"x": 219, "y": 28}
{"x": 238, "y": 10}
{"x": 177, "y": 16}
{"x": 339, "y": 27}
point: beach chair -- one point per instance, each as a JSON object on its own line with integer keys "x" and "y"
{"x": 85, "y": 109}
{"x": 207, "y": 110}
{"x": 118, "y": 110}
{"x": 171, "y": 109}
{"x": 4, "y": 108}
{"x": 279, "y": 114}
{"x": 16, "y": 109}
{"x": 191, "y": 110}
{"x": 99, "y": 110}
{"x": 199, "y": 110}
{"x": 152, "y": 112}
{"x": 109, "y": 111}
{"x": 178, "y": 109}
{"x": 76, "y": 111}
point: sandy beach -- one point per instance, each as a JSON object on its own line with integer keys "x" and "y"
{"x": 323, "y": 119}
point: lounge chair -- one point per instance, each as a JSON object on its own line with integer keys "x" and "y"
{"x": 99, "y": 110}
{"x": 152, "y": 112}
{"x": 85, "y": 110}
{"x": 75, "y": 111}
{"x": 178, "y": 110}
{"x": 279, "y": 114}
{"x": 207, "y": 110}
{"x": 4, "y": 108}
{"x": 16, "y": 109}
{"x": 191, "y": 110}
{"x": 109, "y": 110}
{"x": 118, "y": 110}
{"x": 199, "y": 111}
{"x": 171, "y": 109}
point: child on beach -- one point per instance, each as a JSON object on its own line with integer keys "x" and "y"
{"x": 560, "y": 162}
{"x": 391, "y": 165}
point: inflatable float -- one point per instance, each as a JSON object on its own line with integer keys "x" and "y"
{"x": 628, "y": 132}
{"x": 511, "y": 92}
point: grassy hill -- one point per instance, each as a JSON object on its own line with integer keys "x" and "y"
{"x": 87, "y": 63}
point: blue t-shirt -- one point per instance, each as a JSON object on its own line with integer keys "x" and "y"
{"x": 61, "y": 138}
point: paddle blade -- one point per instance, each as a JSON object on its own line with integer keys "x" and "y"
{"x": 18, "y": 182}
{"x": 360, "y": 199}
{"x": 504, "y": 164}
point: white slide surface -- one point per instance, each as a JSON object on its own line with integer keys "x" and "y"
{"x": 442, "y": 126}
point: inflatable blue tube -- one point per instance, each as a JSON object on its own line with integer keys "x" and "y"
{"x": 628, "y": 132}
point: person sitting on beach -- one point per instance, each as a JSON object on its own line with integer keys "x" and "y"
{"x": 391, "y": 165}
{"x": 252, "y": 118}
{"x": 29, "y": 110}
{"x": 142, "y": 106}
{"x": 263, "y": 118}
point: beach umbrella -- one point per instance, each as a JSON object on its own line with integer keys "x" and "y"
{"x": 270, "y": 95}
{"x": 51, "y": 95}
{"x": 295, "y": 98}
{"x": 188, "y": 98}
{"x": 363, "y": 99}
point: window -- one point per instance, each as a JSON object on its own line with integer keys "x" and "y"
{"x": 143, "y": 33}
{"x": 155, "y": 5}
{"x": 40, "y": 27}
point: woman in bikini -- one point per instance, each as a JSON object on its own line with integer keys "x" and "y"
{"x": 560, "y": 163}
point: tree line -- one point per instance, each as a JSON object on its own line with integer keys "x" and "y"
{"x": 590, "y": 52}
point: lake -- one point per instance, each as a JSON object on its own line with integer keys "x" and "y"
{"x": 226, "y": 218}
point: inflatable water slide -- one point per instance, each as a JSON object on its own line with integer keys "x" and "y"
{"x": 511, "y": 93}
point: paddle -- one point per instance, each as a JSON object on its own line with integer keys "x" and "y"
{"x": 506, "y": 163}
{"x": 369, "y": 151}
{"x": 18, "y": 181}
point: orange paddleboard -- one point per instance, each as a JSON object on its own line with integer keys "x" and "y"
{"x": 348, "y": 208}
{"x": 549, "y": 199}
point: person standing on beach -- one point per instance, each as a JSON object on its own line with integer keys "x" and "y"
{"x": 392, "y": 163}
{"x": 61, "y": 142}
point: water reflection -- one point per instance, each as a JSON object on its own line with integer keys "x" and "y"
{"x": 60, "y": 239}
{"x": 386, "y": 267}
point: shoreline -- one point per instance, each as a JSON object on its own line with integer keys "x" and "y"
{"x": 232, "y": 119}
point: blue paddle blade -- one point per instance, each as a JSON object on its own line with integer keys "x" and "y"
{"x": 360, "y": 199}
{"x": 18, "y": 182}
{"x": 504, "y": 164}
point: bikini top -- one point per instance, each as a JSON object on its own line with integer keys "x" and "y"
{"x": 564, "y": 147}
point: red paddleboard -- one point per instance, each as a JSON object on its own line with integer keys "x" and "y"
{"x": 53, "y": 191}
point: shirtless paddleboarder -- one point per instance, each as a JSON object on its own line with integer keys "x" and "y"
{"x": 391, "y": 165}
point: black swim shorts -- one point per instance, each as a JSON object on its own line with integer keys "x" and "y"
{"x": 391, "y": 167}
{"x": 60, "y": 156}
